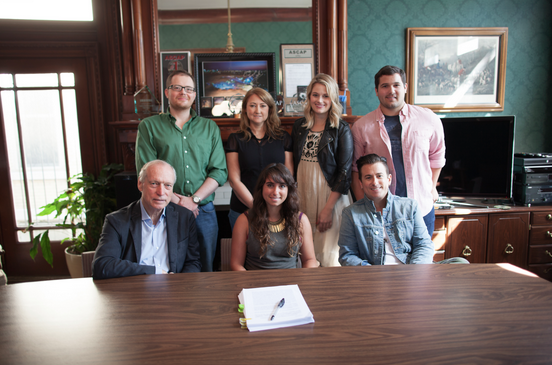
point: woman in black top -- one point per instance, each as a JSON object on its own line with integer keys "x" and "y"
{"x": 260, "y": 142}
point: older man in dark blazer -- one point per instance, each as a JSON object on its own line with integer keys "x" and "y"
{"x": 151, "y": 235}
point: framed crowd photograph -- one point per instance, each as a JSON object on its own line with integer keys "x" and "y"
{"x": 297, "y": 70}
{"x": 226, "y": 78}
{"x": 172, "y": 61}
{"x": 456, "y": 69}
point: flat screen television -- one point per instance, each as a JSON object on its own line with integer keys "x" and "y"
{"x": 480, "y": 157}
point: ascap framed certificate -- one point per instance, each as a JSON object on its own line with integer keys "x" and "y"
{"x": 296, "y": 70}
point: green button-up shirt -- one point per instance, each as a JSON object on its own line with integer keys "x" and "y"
{"x": 195, "y": 151}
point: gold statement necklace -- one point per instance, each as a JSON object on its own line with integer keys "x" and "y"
{"x": 278, "y": 226}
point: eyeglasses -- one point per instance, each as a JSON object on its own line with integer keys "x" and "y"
{"x": 178, "y": 88}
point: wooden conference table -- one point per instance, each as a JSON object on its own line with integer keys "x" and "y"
{"x": 416, "y": 314}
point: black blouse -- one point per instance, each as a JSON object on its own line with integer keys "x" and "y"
{"x": 254, "y": 155}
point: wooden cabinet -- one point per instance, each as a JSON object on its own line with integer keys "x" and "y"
{"x": 439, "y": 238}
{"x": 540, "y": 244}
{"x": 467, "y": 237}
{"x": 508, "y": 237}
{"x": 521, "y": 236}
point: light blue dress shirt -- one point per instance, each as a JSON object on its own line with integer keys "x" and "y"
{"x": 155, "y": 251}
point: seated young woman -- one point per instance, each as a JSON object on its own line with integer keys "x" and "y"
{"x": 273, "y": 234}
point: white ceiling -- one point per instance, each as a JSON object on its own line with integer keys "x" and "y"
{"x": 234, "y": 4}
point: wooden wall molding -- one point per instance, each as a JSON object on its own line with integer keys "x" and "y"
{"x": 155, "y": 38}
{"x": 127, "y": 46}
{"x": 329, "y": 33}
{"x": 138, "y": 42}
{"x": 212, "y": 16}
{"x": 342, "y": 46}
{"x": 318, "y": 24}
{"x": 332, "y": 38}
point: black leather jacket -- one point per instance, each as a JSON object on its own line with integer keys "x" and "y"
{"x": 335, "y": 153}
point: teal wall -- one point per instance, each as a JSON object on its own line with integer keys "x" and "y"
{"x": 377, "y": 37}
{"x": 255, "y": 37}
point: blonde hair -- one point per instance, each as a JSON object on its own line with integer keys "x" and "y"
{"x": 272, "y": 123}
{"x": 332, "y": 89}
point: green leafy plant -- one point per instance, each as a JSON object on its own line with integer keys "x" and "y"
{"x": 84, "y": 205}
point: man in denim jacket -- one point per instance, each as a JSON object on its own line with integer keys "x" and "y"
{"x": 382, "y": 228}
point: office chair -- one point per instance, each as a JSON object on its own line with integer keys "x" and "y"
{"x": 225, "y": 251}
{"x": 87, "y": 258}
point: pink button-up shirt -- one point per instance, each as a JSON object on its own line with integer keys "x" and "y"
{"x": 423, "y": 148}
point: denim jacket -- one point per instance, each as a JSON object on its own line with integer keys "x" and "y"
{"x": 361, "y": 235}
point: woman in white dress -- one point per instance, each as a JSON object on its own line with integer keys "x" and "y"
{"x": 323, "y": 156}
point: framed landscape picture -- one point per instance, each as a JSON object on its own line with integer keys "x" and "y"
{"x": 456, "y": 69}
{"x": 226, "y": 77}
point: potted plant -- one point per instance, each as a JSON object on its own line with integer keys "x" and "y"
{"x": 84, "y": 205}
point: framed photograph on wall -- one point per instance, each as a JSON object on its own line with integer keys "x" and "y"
{"x": 226, "y": 77}
{"x": 456, "y": 69}
{"x": 171, "y": 61}
{"x": 297, "y": 70}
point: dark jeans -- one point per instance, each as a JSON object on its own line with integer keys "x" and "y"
{"x": 233, "y": 217}
{"x": 429, "y": 220}
{"x": 207, "y": 230}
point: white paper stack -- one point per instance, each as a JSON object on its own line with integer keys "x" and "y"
{"x": 260, "y": 304}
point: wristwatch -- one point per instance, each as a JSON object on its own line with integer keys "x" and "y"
{"x": 196, "y": 199}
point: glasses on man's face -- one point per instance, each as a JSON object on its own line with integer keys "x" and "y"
{"x": 178, "y": 88}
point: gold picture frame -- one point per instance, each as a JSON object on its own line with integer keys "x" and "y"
{"x": 456, "y": 69}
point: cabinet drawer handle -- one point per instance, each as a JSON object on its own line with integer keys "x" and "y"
{"x": 549, "y": 217}
{"x": 548, "y": 253}
{"x": 509, "y": 249}
{"x": 467, "y": 251}
{"x": 547, "y": 270}
{"x": 548, "y": 234}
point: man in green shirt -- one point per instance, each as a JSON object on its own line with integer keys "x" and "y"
{"x": 193, "y": 146}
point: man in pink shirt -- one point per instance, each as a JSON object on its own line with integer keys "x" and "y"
{"x": 410, "y": 137}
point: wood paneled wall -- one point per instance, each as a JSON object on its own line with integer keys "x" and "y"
{"x": 238, "y": 15}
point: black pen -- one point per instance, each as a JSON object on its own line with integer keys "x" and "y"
{"x": 280, "y": 305}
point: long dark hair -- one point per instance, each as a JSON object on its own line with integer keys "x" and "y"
{"x": 289, "y": 210}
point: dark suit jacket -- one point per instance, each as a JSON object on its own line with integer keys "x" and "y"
{"x": 120, "y": 246}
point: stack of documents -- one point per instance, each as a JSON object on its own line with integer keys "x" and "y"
{"x": 261, "y": 304}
